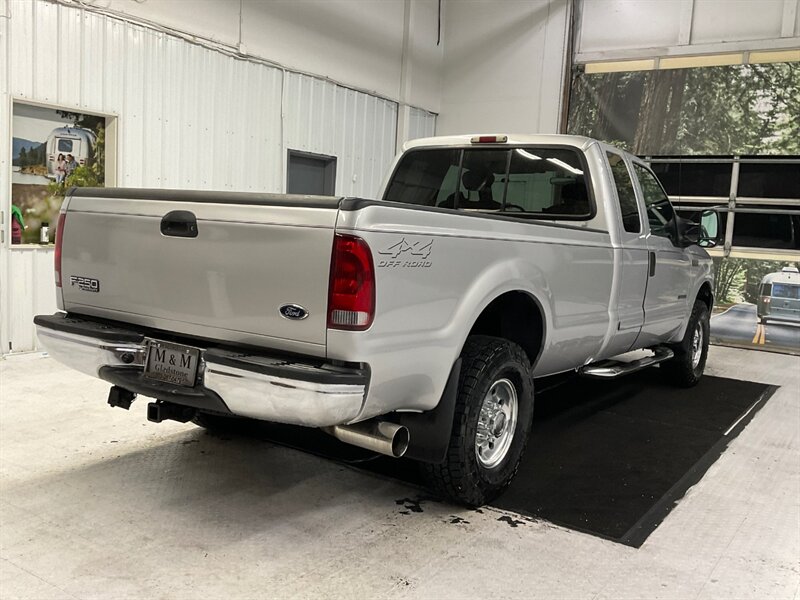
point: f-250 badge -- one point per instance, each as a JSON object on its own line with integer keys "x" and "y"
{"x": 405, "y": 254}
{"x": 86, "y": 284}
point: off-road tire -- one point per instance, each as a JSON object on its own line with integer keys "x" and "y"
{"x": 679, "y": 370}
{"x": 461, "y": 477}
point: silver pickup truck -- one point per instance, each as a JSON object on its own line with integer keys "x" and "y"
{"x": 412, "y": 325}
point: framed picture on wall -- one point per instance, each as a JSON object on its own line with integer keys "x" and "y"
{"x": 52, "y": 150}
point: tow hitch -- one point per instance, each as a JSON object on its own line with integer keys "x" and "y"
{"x": 121, "y": 397}
{"x": 167, "y": 411}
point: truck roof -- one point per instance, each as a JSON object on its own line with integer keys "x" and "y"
{"x": 578, "y": 141}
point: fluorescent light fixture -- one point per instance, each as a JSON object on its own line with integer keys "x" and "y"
{"x": 528, "y": 155}
{"x": 775, "y": 56}
{"x": 621, "y": 66}
{"x": 708, "y": 60}
{"x": 565, "y": 166}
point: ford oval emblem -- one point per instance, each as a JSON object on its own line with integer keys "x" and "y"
{"x": 293, "y": 311}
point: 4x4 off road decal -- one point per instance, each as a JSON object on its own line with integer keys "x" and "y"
{"x": 405, "y": 254}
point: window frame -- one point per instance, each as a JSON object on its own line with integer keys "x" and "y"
{"x": 640, "y": 206}
{"x": 674, "y": 234}
{"x": 330, "y": 166}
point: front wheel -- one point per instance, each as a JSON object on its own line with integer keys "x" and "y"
{"x": 686, "y": 368}
{"x": 492, "y": 420}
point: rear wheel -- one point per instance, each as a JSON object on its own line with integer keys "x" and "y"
{"x": 686, "y": 368}
{"x": 492, "y": 421}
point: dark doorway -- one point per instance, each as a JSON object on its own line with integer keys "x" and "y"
{"x": 313, "y": 174}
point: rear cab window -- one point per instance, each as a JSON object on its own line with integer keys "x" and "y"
{"x": 527, "y": 182}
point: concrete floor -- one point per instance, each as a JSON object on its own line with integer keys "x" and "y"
{"x": 98, "y": 503}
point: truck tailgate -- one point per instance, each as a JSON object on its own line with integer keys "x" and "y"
{"x": 252, "y": 254}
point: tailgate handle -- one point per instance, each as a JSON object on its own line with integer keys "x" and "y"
{"x": 179, "y": 223}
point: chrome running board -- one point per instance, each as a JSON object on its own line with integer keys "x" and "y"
{"x": 609, "y": 369}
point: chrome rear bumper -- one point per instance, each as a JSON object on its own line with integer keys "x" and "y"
{"x": 279, "y": 389}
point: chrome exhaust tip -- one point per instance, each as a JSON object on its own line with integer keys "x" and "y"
{"x": 383, "y": 437}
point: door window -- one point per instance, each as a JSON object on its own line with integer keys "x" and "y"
{"x": 625, "y": 193}
{"x": 660, "y": 214}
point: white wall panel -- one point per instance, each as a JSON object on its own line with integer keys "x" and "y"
{"x": 722, "y": 20}
{"x": 357, "y": 128}
{"x": 5, "y": 174}
{"x": 629, "y": 24}
{"x": 619, "y": 29}
{"x": 188, "y": 117}
{"x": 503, "y": 66}
{"x": 30, "y": 274}
{"x": 421, "y": 124}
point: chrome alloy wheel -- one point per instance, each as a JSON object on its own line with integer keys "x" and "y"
{"x": 497, "y": 422}
{"x": 697, "y": 344}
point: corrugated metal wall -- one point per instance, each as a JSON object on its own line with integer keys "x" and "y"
{"x": 189, "y": 117}
{"x": 421, "y": 124}
{"x": 358, "y": 129}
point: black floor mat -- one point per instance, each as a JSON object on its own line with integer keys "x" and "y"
{"x": 609, "y": 458}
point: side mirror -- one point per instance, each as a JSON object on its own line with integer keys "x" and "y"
{"x": 703, "y": 233}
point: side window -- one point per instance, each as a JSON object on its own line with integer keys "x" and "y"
{"x": 659, "y": 210}
{"x": 625, "y": 193}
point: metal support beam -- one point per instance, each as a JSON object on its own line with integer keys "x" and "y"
{"x": 687, "y": 15}
{"x": 789, "y": 20}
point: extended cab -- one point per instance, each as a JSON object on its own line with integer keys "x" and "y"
{"x": 412, "y": 325}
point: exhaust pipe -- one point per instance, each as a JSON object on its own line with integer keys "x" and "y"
{"x": 383, "y": 437}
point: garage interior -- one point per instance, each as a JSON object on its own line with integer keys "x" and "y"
{"x": 629, "y": 488}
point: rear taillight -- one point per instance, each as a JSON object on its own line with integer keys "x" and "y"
{"x": 59, "y": 240}
{"x": 351, "y": 295}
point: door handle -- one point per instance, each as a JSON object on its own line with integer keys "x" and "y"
{"x": 179, "y": 223}
{"x": 652, "y": 263}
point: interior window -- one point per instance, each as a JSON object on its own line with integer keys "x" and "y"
{"x": 760, "y": 230}
{"x": 659, "y": 211}
{"x": 625, "y": 193}
{"x": 694, "y": 179}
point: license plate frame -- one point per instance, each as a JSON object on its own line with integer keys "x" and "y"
{"x": 171, "y": 363}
